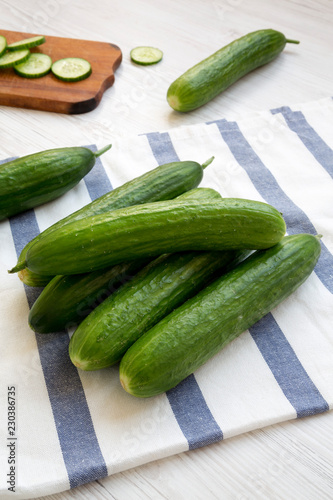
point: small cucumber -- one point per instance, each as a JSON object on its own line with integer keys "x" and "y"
{"x": 189, "y": 336}
{"x": 161, "y": 183}
{"x": 67, "y": 300}
{"x": 32, "y": 180}
{"x": 152, "y": 229}
{"x": 213, "y": 75}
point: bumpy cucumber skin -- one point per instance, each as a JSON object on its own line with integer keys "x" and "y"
{"x": 189, "y": 336}
{"x": 67, "y": 300}
{"x": 32, "y": 180}
{"x": 161, "y": 183}
{"x": 152, "y": 229}
{"x": 216, "y": 73}
{"x": 105, "y": 335}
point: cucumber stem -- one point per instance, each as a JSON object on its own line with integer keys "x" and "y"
{"x": 288, "y": 40}
{"x": 101, "y": 151}
{"x": 207, "y": 162}
{"x": 19, "y": 267}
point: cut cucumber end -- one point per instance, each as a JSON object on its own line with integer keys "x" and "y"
{"x": 146, "y": 55}
{"x": 27, "y": 43}
{"x": 71, "y": 69}
{"x": 174, "y": 102}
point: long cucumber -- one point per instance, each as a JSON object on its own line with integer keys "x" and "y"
{"x": 152, "y": 229}
{"x": 107, "y": 333}
{"x": 67, "y": 300}
{"x": 204, "y": 81}
{"x": 189, "y": 336}
{"x": 161, "y": 183}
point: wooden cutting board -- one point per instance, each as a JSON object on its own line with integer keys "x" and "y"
{"x": 50, "y": 94}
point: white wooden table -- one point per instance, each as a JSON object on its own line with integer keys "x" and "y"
{"x": 290, "y": 461}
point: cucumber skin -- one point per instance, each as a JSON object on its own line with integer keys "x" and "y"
{"x": 105, "y": 335}
{"x": 67, "y": 300}
{"x": 188, "y": 337}
{"x": 152, "y": 229}
{"x": 204, "y": 81}
{"x": 32, "y": 180}
{"x": 161, "y": 183}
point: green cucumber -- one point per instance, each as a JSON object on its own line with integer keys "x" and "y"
{"x": 32, "y": 180}
{"x": 9, "y": 59}
{"x": 146, "y": 55}
{"x": 27, "y": 43}
{"x": 71, "y": 69}
{"x": 106, "y": 334}
{"x": 161, "y": 183}
{"x": 193, "y": 333}
{"x": 36, "y": 66}
{"x": 204, "y": 81}
{"x": 67, "y": 300}
{"x": 3, "y": 45}
{"x": 151, "y": 229}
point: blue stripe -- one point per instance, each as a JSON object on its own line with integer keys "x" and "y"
{"x": 81, "y": 452}
{"x": 274, "y": 347}
{"x": 162, "y": 147}
{"x": 297, "y": 122}
{"x": 292, "y": 378}
{"x": 193, "y": 415}
{"x": 187, "y": 401}
{"x": 97, "y": 181}
{"x": 269, "y": 189}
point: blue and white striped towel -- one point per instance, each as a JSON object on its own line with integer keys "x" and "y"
{"x": 74, "y": 427}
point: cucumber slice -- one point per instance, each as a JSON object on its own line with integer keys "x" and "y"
{"x": 71, "y": 69}
{"x": 11, "y": 58}
{"x": 3, "y": 45}
{"x": 27, "y": 43}
{"x": 146, "y": 55}
{"x": 35, "y": 66}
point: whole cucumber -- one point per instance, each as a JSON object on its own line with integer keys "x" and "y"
{"x": 204, "y": 81}
{"x": 161, "y": 183}
{"x": 193, "y": 333}
{"x": 32, "y": 180}
{"x": 67, "y": 300}
{"x": 165, "y": 283}
{"x": 152, "y": 229}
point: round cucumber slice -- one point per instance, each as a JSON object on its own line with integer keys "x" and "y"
{"x": 71, "y": 69}
{"x": 3, "y": 45}
{"x": 11, "y": 58}
{"x": 27, "y": 43}
{"x": 146, "y": 55}
{"x": 35, "y": 66}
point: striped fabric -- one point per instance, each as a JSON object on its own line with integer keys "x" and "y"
{"x": 74, "y": 427}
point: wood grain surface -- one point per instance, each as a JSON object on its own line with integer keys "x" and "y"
{"x": 51, "y": 94}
